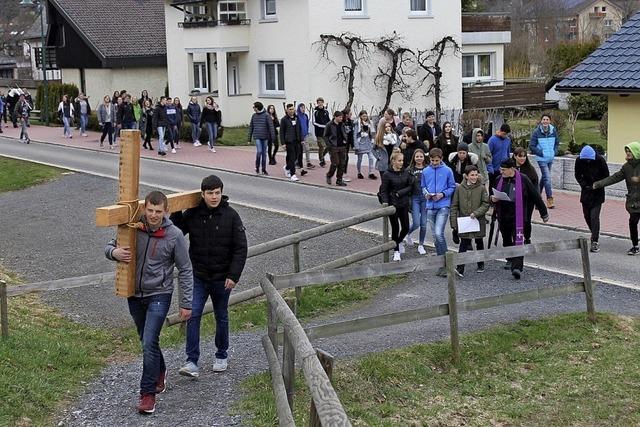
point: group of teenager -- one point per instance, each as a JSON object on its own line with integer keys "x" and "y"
{"x": 209, "y": 266}
{"x": 18, "y": 106}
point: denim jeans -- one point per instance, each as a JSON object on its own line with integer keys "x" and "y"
{"x": 212, "y": 131}
{"x": 418, "y": 216}
{"x": 545, "y": 178}
{"x": 84, "y": 119}
{"x": 148, "y": 314}
{"x": 195, "y": 132}
{"x": 202, "y": 290}
{"x": 162, "y": 148}
{"x": 261, "y": 154}
{"x": 130, "y": 125}
{"x": 437, "y": 219}
{"x": 66, "y": 121}
{"x": 371, "y": 162}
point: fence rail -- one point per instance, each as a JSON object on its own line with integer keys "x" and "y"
{"x": 299, "y": 338}
{"x": 503, "y": 96}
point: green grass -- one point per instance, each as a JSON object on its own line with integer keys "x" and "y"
{"x": 553, "y": 372}
{"x": 587, "y": 131}
{"x": 18, "y": 174}
{"x": 234, "y": 136}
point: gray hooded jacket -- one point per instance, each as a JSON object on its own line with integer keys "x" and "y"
{"x": 156, "y": 254}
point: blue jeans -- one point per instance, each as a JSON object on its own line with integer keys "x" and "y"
{"x": 261, "y": 153}
{"x": 84, "y": 119}
{"x": 162, "y": 148}
{"x": 129, "y": 125}
{"x": 437, "y": 219}
{"x": 148, "y": 314}
{"x": 66, "y": 121}
{"x": 212, "y": 131}
{"x": 419, "y": 217}
{"x": 202, "y": 290}
{"x": 195, "y": 132}
{"x": 545, "y": 179}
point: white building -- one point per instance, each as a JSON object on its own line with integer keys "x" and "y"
{"x": 240, "y": 51}
{"x": 484, "y": 36}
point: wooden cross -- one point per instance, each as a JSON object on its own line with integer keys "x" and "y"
{"x": 129, "y": 208}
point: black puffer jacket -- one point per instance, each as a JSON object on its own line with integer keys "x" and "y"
{"x": 587, "y": 172}
{"x": 218, "y": 244}
{"x": 396, "y": 188}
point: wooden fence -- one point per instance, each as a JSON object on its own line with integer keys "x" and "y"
{"x": 296, "y": 339}
{"x": 504, "y": 96}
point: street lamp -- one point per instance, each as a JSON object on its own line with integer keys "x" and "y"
{"x": 40, "y": 7}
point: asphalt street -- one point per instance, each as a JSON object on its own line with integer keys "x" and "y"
{"x": 320, "y": 204}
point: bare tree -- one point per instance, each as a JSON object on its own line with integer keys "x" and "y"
{"x": 429, "y": 61}
{"x": 393, "y": 77}
{"x": 356, "y": 49}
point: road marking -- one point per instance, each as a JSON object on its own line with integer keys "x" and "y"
{"x": 603, "y": 280}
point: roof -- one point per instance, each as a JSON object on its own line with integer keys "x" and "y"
{"x": 576, "y": 6}
{"x": 35, "y": 30}
{"x": 113, "y": 29}
{"x": 613, "y": 67}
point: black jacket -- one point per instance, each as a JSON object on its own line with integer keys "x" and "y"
{"x": 397, "y": 187}
{"x": 447, "y": 146}
{"x": 160, "y": 119}
{"x": 587, "y": 172}
{"x": 321, "y": 118}
{"x": 125, "y": 113}
{"x": 409, "y": 149}
{"x": 218, "y": 244}
{"x": 530, "y": 195}
{"x": 424, "y": 133}
{"x": 335, "y": 135}
{"x": 290, "y": 133}
{"x": 209, "y": 115}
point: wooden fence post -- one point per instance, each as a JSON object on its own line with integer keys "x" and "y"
{"x": 326, "y": 360}
{"x": 272, "y": 324}
{"x": 296, "y": 267}
{"x": 385, "y": 234}
{"x": 588, "y": 283}
{"x": 4, "y": 315}
{"x": 453, "y": 305}
{"x": 289, "y": 359}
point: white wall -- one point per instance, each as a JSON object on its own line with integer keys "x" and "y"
{"x": 101, "y": 82}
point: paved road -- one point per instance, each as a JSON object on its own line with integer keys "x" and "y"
{"x": 311, "y": 202}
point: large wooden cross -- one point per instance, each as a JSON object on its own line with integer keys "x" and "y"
{"x": 129, "y": 208}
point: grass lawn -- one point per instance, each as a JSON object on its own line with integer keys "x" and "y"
{"x": 18, "y": 174}
{"x": 587, "y": 131}
{"x": 234, "y": 136}
{"x": 553, "y": 372}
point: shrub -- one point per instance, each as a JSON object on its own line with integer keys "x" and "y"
{"x": 589, "y": 106}
{"x": 55, "y": 92}
{"x": 472, "y": 119}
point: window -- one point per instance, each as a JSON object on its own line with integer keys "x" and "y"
{"x": 269, "y": 8}
{"x": 197, "y": 13}
{"x": 272, "y": 77}
{"x": 419, "y": 8}
{"x": 232, "y": 11}
{"x": 608, "y": 22}
{"x": 604, "y": 8}
{"x": 477, "y": 66}
{"x": 200, "y": 76}
{"x": 6, "y": 73}
{"x": 356, "y": 8}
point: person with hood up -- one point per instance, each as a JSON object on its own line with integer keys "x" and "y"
{"x": 261, "y": 129}
{"x": 470, "y": 199}
{"x": 160, "y": 246}
{"x": 544, "y": 144}
{"x": 438, "y": 186}
{"x": 481, "y": 149}
{"x": 194, "y": 112}
{"x": 589, "y": 168}
{"x": 512, "y": 213}
{"x": 630, "y": 172}
{"x": 459, "y": 160}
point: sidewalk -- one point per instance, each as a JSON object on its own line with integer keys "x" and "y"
{"x": 567, "y": 214}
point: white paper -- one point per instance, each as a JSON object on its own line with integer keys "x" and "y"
{"x": 500, "y": 195}
{"x": 466, "y": 224}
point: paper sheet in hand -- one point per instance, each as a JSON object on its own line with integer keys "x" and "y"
{"x": 500, "y": 195}
{"x": 466, "y": 224}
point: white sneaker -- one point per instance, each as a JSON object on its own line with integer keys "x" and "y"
{"x": 197, "y": 144}
{"x": 346, "y": 178}
{"x": 173, "y": 151}
{"x": 213, "y": 149}
{"x": 286, "y": 172}
{"x": 396, "y": 256}
{"x": 401, "y": 248}
{"x": 190, "y": 370}
{"x": 409, "y": 240}
{"x": 220, "y": 365}
{"x": 421, "y": 250}
{"x": 294, "y": 178}
{"x": 84, "y": 134}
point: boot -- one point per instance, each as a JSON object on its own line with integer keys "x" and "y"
{"x": 550, "y": 204}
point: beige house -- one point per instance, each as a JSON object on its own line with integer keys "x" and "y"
{"x": 614, "y": 70}
{"x": 595, "y": 19}
{"x": 240, "y": 51}
{"x": 484, "y": 36}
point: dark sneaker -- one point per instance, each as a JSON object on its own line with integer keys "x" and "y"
{"x": 480, "y": 267}
{"x": 272, "y": 162}
{"x": 310, "y": 166}
{"x": 303, "y": 172}
{"x": 257, "y": 171}
{"x": 507, "y": 266}
{"x": 328, "y": 180}
{"x": 527, "y": 241}
{"x": 147, "y": 404}
{"x": 265, "y": 173}
{"x": 161, "y": 384}
{"x": 372, "y": 176}
{"x": 341, "y": 184}
{"x": 516, "y": 273}
{"x": 322, "y": 164}
{"x": 633, "y": 251}
{"x": 595, "y": 247}
{"x": 455, "y": 237}
{"x": 360, "y": 176}
{"x": 460, "y": 273}
{"x": 442, "y": 272}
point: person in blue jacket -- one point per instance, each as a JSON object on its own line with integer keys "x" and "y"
{"x": 544, "y": 144}
{"x": 438, "y": 186}
{"x": 500, "y": 147}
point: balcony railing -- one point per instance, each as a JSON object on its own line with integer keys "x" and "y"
{"x": 199, "y": 23}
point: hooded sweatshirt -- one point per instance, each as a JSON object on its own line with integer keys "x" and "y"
{"x": 304, "y": 121}
{"x": 589, "y": 168}
{"x": 484, "y": 154}
{"x": 630, "y": 172}
{"x": 438, "y": 180}
{"x": 156, "y": 253}
{"x": 500, "y": 148}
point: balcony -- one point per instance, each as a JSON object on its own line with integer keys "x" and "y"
{"x": 597, "y": 15}
{"x": 208, "y": 21}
